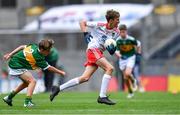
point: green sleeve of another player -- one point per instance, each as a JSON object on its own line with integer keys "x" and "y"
{"x": 134, "y": 42}
{"x": 117, "y": 45}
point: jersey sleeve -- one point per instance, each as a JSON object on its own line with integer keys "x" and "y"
{"x": 29, "y": 45}
{"x": 134, "y": 41}
{"x": 91, "y": 24}
{"x": 138, "y": 43}
{"x": 117, "y": 44}
{"x": 42, "y": 64}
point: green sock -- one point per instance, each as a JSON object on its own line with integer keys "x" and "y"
{"x": 27, "y": 99}
{"x": 130, "y": 90}
{"x": 129, "y": 86}
{"x": 11, "y": 95}
{"x": 132, "y": 78}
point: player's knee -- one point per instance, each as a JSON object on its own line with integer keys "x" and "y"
{"x": 127, "y": 74}
{"x": 32, "y": 81}
{"x": 84, "y": 79}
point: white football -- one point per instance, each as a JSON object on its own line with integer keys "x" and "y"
{"x": 109, "y": 42}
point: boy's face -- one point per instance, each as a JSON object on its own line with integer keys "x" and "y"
{"x": 123, "y": 33}
{"x": 114, "y": 22}
{"x": 44, "y": 52}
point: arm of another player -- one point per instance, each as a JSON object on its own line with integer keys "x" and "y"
{"x": 87, "y": 35}
{"x": 118, "y": 54}
{"x": 83, "y": 25}
{"x": 139, "y": 50}
{"x": 8, "y": 55}
{"x": 55, "y": 70}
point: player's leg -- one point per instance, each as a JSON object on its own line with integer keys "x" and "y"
{"x": 46, "y": 72}
{"x": 89, "y": 70}
{"x": 15, "y": 73}
{"x": 28, "y": 78}
{"x": 21, "y": 87}
{"x": 8, "y": 99}
{"x": 128, "y": 72}
{"x": 48, "y": 78}
{"x": 123, "y": 67}
{"x": 108, "y": 68}
{"x": 128, "y": 81}
{"x": 136, "y": 74}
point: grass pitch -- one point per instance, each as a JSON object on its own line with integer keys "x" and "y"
{"x": 85, "y": 103}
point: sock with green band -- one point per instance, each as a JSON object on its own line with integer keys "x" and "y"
{"x": 27, "y": 99}
{"x": 11, "y": 95}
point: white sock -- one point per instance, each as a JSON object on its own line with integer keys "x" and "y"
{"x": 104, "y": 85}
{"x": 69, "y": 84}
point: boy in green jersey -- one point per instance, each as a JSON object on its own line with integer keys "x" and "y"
{"x": 126, "y": 50}
{"x": 24, "y": 58}
{"x": 52, "y": 59}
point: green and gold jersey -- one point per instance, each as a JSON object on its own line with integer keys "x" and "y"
{"x": 28, "y": 58}
{"x": 126, "y": 46}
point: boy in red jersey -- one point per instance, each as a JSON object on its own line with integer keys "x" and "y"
{"x": 99, "y": 32}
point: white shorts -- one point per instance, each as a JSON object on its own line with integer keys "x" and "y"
{"x": 16, "y": 72}
{"x": 129, "y": 62}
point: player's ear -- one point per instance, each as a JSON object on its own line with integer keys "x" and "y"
{"x": 41, "y": 49}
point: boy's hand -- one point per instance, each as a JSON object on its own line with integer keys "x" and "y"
{"x": 111, "y": 49}
{"x": 7, "y": 56}
{"x": 87, "y": 37}
{"x": 63, "y": 73}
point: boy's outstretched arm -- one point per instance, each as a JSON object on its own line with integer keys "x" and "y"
{"x": 55, "y": 70}
{"x": 8, "y": 55}
{"x": 82, "y": 25}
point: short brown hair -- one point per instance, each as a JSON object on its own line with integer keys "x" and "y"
{"x": 46, "y": 44}
{"x": 122, "y": 27}
{"x": 112, "y": 14}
